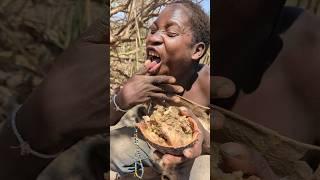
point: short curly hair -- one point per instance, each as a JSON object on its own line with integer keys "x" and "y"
{"x": 200, "y": 22}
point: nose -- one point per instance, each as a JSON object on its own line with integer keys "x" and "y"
{"x": 155, "y": 38}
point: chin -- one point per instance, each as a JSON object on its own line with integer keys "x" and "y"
{"x": 164, "y": 70}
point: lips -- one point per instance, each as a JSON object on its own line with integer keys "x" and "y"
{"x": 157, "y": 65}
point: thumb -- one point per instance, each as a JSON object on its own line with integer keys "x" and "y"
{"x": 186, "y": 112}
{"x": 237, "y": 157}
{"x": 194, "y": 151}
{"x": 221, "y": 87}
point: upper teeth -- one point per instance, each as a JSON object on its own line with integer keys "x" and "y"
{"x": 152, "y": 53}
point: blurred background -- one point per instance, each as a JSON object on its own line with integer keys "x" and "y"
{"x": 32, "y": 34}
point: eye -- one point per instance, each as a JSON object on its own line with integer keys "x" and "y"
{"x": 172, "y": 34}
{"x": 152, "y": 29}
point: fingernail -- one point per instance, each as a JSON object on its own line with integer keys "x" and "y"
{"x": 172, "y": 80}
{"x": 181, "y": 89}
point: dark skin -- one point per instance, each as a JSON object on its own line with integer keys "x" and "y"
{"x": 295, "y": 74}
{"x": 287, "y": 99}
{"x": 235, "y": 156}
{"x": 177, "y": 55}
{"x": 170, "y": 37}
{"x": 71, "y": 103}
{"x": 68, "y": 105}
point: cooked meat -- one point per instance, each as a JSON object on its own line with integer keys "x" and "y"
{"x": 168, "y": 127}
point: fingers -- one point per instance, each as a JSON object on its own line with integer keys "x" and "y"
{"x": 238, "y": 157}
{"x": 170, "y": 88}
{"x": 194, "y": 151}
{"x": 166, "y": 97}
{"x": 217, "y": 120}
{"x": 167, "y": 88}
{"x": 198, "y": 127}
{"x": 186, "y": 112}
{"x": 221, "y": 87}
{"x": 169, "y": 160}
{"x": 161, "y": 79}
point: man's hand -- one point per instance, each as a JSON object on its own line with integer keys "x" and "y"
{"x": 71, "y": 102}
{"x": 144, "y": 86}
{"x": 221, "y": 87}
{"x": 238, "y": 157}
{"x": 235, "y": 156}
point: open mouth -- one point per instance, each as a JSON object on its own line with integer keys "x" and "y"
{"x": 153, "y": 55}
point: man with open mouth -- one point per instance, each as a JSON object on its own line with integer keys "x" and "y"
{"x": 177, "y": 40}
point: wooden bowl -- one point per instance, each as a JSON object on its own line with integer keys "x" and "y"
{"x": 163, "y": 130}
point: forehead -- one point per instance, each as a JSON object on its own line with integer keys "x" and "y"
{"x": 175, "y": 14}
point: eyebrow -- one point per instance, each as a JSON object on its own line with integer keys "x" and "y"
{"x": 170, "y": 23}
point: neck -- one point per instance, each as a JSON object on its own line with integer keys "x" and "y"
{"x": 187, "y": 79}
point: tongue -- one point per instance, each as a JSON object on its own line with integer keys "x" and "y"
{"x": 153, "y": 67}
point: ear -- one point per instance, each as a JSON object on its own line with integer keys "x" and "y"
{"x": 198, "y": 51}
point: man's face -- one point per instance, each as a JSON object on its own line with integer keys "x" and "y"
{"x": 169, "y": 41}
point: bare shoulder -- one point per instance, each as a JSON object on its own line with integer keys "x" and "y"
{"x": 204, "y": 83}
{"x": 305, "y": 31}
{"x": 299, "y": 60}
{"x": 204, "y": 77}
{"x": 301, "y": 51}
